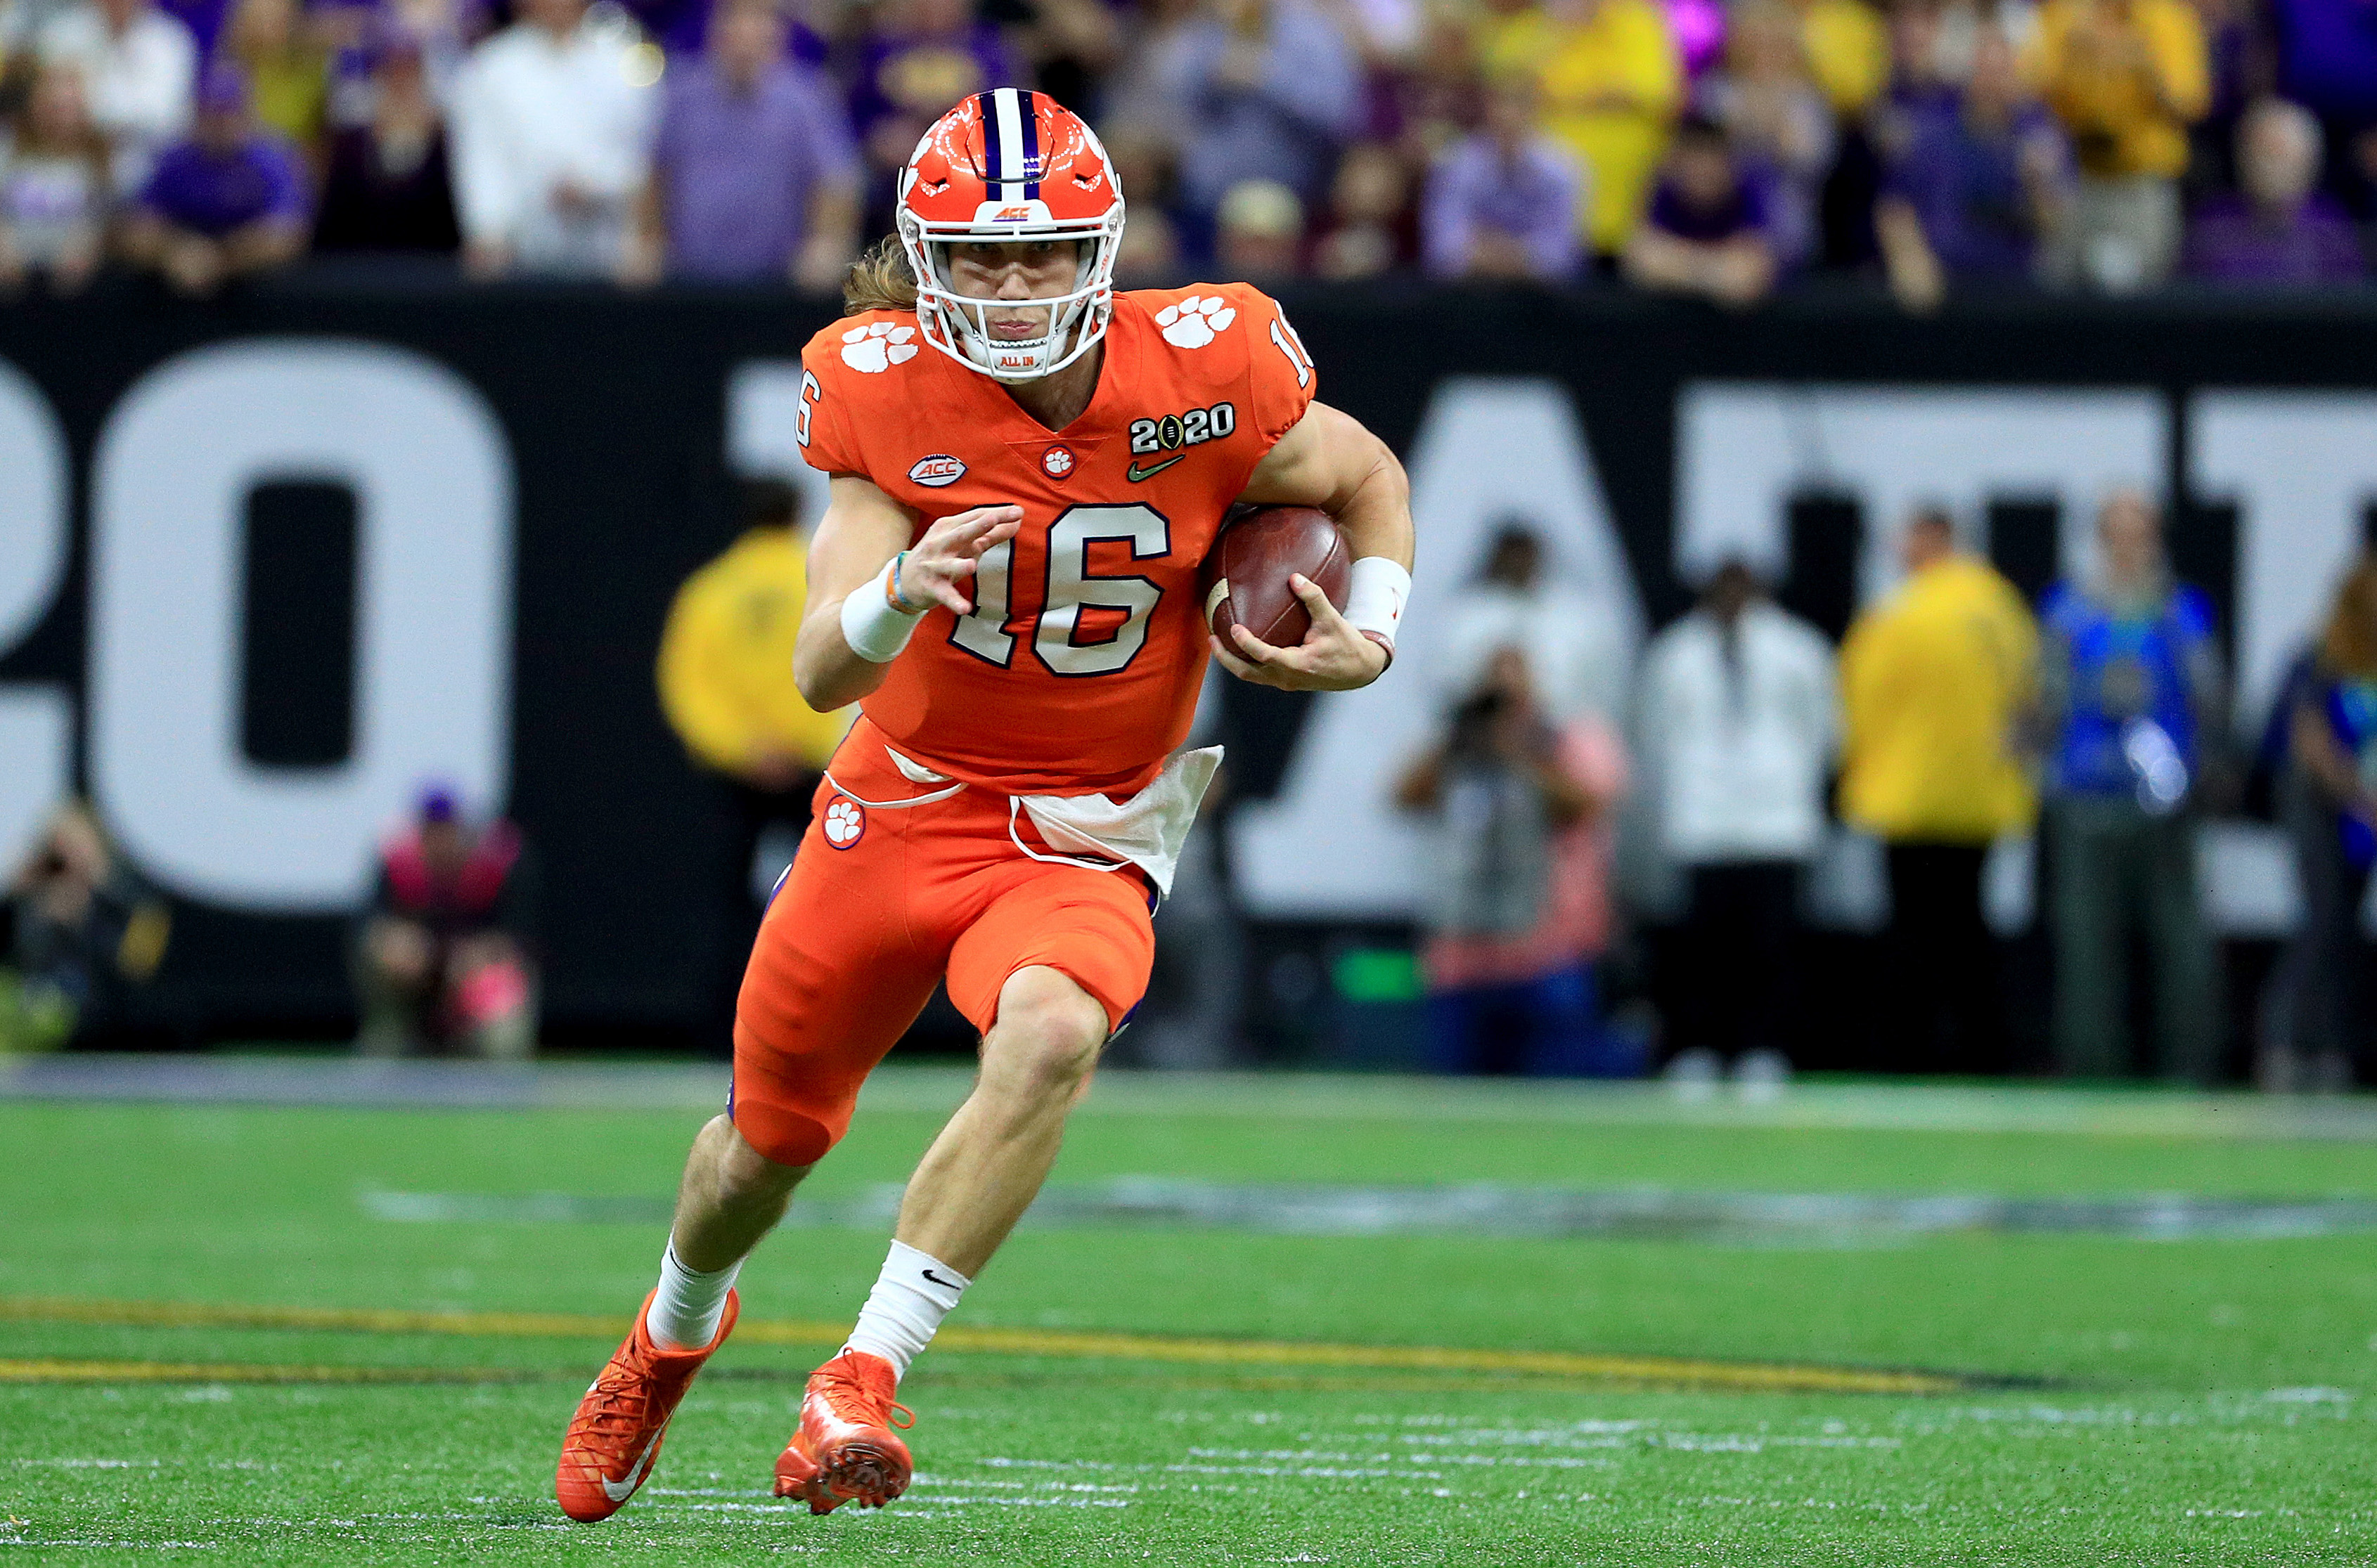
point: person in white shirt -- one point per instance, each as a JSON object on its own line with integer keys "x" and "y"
{"x": 552, "y": 122}
{"x": 1575, "y": 646}
{"x": 138, "y": 68}
{"x": 1737, "y": 718}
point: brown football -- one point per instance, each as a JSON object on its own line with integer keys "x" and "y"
{"x": 1247, "y": 572}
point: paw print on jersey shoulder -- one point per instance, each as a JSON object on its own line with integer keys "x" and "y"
{"x": 1196, "y": 321}
{"x": 878, "y": 347}
{"x": 843, "y": 821}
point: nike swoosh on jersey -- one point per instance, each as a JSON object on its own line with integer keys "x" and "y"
{"x": 1138, "y": 473}
{"x": 619, "y": 1492}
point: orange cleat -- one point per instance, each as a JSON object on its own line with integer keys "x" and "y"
{"x": 844, "y": 1450}
{"x": 615, "y": 1434}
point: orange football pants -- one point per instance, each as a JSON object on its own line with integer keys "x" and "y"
{"x": 892, "y": 890}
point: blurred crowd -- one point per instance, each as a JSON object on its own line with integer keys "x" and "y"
{"x": 1952, "y": 720}
{"x": 1714, "y": 148}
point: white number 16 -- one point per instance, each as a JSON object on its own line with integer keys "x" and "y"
{"x": 1070, "y": 590}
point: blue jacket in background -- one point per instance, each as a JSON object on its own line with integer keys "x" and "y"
{"x": 2117, "y": 668}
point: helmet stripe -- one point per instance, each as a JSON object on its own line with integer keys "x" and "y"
{"x": 988, "y": 107}
{"x": 1031, "y": 146}
{"x": 1007, "y": 127}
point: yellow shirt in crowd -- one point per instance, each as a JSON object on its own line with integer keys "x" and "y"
{"x": 1847, "y": 50}
{"x": 1934, "y": 681}
{"x": 1612, "y": 79}
{"x": 726, "y": 659}
{"x": 291, "y": 91}
{"x": 2125, "y": 76}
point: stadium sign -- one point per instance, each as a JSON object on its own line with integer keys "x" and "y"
{"x": 267, "y": 567}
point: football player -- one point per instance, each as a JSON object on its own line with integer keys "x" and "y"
{"x": 1028, "y": 470}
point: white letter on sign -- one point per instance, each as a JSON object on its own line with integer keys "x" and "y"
{"x": 35, "y": 721}
{"x": 1489, "y": 452}
{"x": 2301, "y": 467}
{"x": 175, "y": 465}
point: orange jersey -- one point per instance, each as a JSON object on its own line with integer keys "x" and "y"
{"x": 1077, "y": 670}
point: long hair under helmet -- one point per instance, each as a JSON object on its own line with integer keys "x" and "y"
{"x": 1006, "y": 166}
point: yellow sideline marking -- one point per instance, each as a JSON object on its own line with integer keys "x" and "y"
{"x": 1674, "y": 1371}
{"x": 57, "y": 1370}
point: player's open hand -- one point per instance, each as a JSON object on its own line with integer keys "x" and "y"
{"x": 950, "y": 552}
{"x": 1333, "y": 656}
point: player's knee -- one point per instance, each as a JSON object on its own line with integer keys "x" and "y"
{"x": 743, "y": 1175}
{"x": 1048, "y": 1034}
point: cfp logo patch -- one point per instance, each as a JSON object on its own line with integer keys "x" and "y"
{"x": 1176, "y": 433}
{"x": 844, "y": 823}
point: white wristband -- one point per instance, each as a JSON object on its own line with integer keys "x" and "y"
{"x": 873, "y": 630}
{"x": 1373, "y": 603}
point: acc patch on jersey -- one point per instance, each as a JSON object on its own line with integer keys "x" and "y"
{"x": 844, "y": 822}
{"x": 937, "y": 470}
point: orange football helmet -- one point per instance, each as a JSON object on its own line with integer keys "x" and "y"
{"x": 1004, "y": 165}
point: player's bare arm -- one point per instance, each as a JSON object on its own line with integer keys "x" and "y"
{"x": 1328, "y": 459}
{"x": 862, "y": 532}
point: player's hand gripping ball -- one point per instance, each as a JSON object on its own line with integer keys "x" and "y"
{"x": 1288, "y": 571}
{"x": 1258, "y": 550}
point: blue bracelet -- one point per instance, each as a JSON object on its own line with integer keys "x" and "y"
{"x": 891, "y": 589}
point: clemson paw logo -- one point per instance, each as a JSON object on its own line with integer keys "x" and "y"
{"x": 1193, "y": 323}
{"x": 878, "y": 347}
{"x": 843, "y": 821}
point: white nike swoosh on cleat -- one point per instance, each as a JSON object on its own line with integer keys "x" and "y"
{"x": 619, "y": 1492}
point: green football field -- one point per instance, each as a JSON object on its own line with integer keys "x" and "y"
{"x": 1259, "y": 1321}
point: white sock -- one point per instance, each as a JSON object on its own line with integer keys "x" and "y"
{"x": 686, "y": 1309}
{"x": 904, "y": 1312}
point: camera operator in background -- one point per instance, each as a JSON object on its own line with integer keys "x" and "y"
{"x": 443, "y": 951}
{"x": 87, "y": 930}
{"x": 1578, "y": 660}
{"x": 1518, "y": 892}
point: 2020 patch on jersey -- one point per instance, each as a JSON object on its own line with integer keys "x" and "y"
{"x": 1077, "y": 669}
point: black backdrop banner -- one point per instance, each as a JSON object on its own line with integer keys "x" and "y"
{"x": 267, "y": 565}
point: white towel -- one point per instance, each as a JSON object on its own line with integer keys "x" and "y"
{"x": 1147, "y": 830}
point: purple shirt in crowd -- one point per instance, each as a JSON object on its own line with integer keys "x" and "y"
{"x": 1966, "y": 188}
{"x": 2232, "y": 241}
{"x": 215, "y": 193}
{"x": 1743, "y": 212}
{"x": 205, "y": 19}
{"x": 922, "y": 77}
{"x": 739, "y": 168}
{"x": 1287, "y": 127}
{"x": 2327, "y": 57}
{"x": 1476, "y": 190}
{"x": 682, "y": 27}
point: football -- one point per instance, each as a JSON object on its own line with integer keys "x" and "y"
{"x": 1247, "y": 572}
